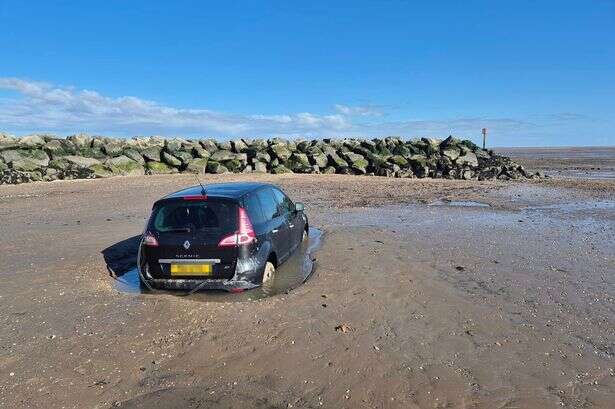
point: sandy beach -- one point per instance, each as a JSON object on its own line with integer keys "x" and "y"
{"x": 425, "y": 294}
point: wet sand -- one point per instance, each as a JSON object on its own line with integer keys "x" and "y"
{"x": 595, "y": 162}
{"x": 437, "y": 302}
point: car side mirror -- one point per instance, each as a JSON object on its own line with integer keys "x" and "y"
{"x": 299, "y": 207}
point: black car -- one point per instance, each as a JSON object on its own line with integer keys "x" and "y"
{"x": 229, "y": 236}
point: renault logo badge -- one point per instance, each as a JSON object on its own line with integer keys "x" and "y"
{"x": 186, "y": 244}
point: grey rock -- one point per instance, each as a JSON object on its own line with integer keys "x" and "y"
{"x": 260, "y": 145}
{"x": 260, "y": 167}
{"x": 31, "y": 141}
{"x": 123, "y": 165}
{"x": 234, "y": 165}
{"x": 318, "y": 158}
{"x": 280, "y": 169}
{"x": 209, "y": 145}
{"x": 351, "y": 157}
{"x": 159, "y": 168}
{"x": 360, "y": 166}
{"x": 81, "y": 161}
{"x": 170, "y": 159}
{"x": 60, "y": 147}
{"x": 449, "y": 142}
{"x": 451, "y": 153}
{"x": 198, "y": 165}
{"x": 262, "y": 157}
{"x": 239, "y": 146}
{"x": 113, "y": 148}
{"x": 467, "y": 174}
{"x": 419, "y": 165}
{"x": 25, "y": 159}
{"x": 225, "y": 145}
{"x": 281, "y": 152}
{"x": 81, "y": 140}
{"x": 152, "y": 153}
{"x": 222, "y": 155}
{"x": 24, "y": 165}
{"x": 184, "y": 157}
{"x": 174, "y": 145}
{"x": 469, "y": 159}
{"x": 299, "y": 160}
{"x": 335, "y": 160}
{"x": 8, "y": 142}
{"x": 404, "y": 173}
{"x": 134, "y": 155}
{"x": 399, "y": 160}
{"x": 200, "y": 152}
{"x": 216, "y": 167}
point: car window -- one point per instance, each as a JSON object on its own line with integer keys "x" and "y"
{"x": 268, "y": 203}
{"x": 195, "y": 216}
{"x": 253, "y": 207}
{"x": 285, "y": 205}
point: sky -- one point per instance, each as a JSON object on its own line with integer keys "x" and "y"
{"x": 535, "y": 73}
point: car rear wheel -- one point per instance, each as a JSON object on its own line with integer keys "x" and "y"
{"x": 269, "y": 272}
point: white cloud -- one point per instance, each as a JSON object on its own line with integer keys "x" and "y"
{"x": 31, "y": 106}
{"x": 358, "y": 110}
{"x": 42, "y": 106}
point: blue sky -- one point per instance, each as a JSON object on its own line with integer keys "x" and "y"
{"x": 536, "y": 73}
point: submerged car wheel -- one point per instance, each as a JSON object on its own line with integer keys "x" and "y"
{"x": 269, "y": 272}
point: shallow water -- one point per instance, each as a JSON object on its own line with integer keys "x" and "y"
{"x": 458, "y": 203}
{"x": 291, "y": 274}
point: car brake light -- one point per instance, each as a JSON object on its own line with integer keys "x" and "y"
{"x": 195, "y": 197}
{"x": 244, "y": 235}
{"x": 150, "y": 240}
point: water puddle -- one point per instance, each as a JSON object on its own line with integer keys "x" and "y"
{"x": 458, "y": 203}
{"x": 291, "y": 274}
{"x": 573, "y": 207}
{"x": 586, "y": 210}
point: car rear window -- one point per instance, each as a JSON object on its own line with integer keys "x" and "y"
{"x": 195, "y": 216}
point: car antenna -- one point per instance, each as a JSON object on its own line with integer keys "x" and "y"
{"x": 203, "y": 192}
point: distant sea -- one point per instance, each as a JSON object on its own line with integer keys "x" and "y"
{"x": 584, "y": 162}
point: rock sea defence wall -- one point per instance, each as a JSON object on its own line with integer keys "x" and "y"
{"x": 47, "y": 157}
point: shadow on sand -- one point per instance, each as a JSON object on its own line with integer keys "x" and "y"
{"x": 121, "y": 257}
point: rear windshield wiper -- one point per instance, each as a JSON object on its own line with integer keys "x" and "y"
{"x": 178, "y": 229}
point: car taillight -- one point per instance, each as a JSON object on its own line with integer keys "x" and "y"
{"x": 195, "y": 197}
{"x": 150, "y": 240}
{"x": 244, "y": 235}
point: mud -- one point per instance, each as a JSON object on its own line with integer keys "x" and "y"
{"x": 506, "y": 306}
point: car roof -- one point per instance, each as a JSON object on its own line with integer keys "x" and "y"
{"x": 234, "y": 190}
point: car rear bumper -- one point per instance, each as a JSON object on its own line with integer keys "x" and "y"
{"x": 247, "y": 275}
{"x": 204, "y": 284}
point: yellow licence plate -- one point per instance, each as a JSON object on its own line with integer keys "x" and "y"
{"x": 190, "y": 269}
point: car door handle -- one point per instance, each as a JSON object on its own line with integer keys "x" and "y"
{"x": 274, "y": 231}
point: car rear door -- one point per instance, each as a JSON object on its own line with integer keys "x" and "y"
{"x": 276, "y": 222}
{"x": 294, "y": 224}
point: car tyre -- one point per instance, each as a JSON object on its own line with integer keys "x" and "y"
{"x": 269, "y": 272}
